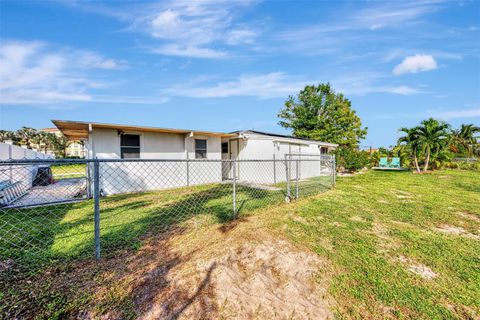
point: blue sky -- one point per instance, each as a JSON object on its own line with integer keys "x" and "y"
{"x": 230, "y": 65}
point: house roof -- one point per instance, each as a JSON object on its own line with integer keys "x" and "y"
{"x": 287, "y": 137}
{"x": 78, "y": 130}
{"x": 49, "y": 129}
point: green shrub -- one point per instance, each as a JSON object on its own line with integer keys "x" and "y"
{"x": 462, "y": 165}
{"x": 352, "y": 159}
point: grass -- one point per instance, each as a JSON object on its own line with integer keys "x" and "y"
{"x": 375, "y": 222}
{"x": 65, "y": 231}
{"x": 64, "y": 171}
{"x": 371, "y": 230}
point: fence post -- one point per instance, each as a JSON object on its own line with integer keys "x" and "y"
{"x": 334, "y": 170}
{"x": 188, "y": 171}
{"x": 234, "y": 189}
{"x": 274, "y": 170}
{"x": 287, "y": 173}
{"x": 96, "y": 195}
{"x": 10, "y": 157}
{"x": 296, "y": 178}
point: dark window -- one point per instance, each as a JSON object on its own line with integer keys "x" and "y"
{"x": 200, "y": 149}
{"x": 130, "y": 146}
{"x": 324, "y": 150}
{"x": 225, "y": 147}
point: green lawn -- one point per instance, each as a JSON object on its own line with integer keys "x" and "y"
{"x": 65, "y": 231}
{"x": 376, "y": 230}
{"x": 375, "y": 226}
{"x": 63, "y": 171}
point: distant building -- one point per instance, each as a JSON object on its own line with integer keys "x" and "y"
{"x": 75, "y": 149}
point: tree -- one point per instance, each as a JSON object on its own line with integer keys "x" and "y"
{"x": 466, "y": 138}
{"x": 60, "y": 144}
{"x": 6, "y": 135}
{"x": 411, "y": 140}
{"x": 318, "y": 113}
{"x": 26, "y": 136}
{"x": 433, "y": 137}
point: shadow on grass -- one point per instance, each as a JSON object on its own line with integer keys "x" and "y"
{"x": 33, "y": 236}
{"x": 44, "y": 235}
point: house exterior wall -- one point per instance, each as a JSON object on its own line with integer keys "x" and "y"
{"x": 124, "y": 177}
{"x": 185, "y": 170}
{"x": 258, "y": 147}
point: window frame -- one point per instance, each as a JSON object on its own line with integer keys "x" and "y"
{"x": 203, "y": 151}
{"x": 130, "y": 147}
{"x": 225, "y": 144}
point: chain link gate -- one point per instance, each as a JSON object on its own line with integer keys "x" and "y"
{"x": 308, "y": 173}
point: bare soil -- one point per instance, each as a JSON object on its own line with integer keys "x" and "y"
{"x": 418, "y": 268}
{"x": 457, "y": 231}
{"x": 235, "y": 271}
{"x": 254, "y": 279}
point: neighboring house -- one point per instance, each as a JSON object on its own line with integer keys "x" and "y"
{"x": 113, "y": 141}
{"x": 74, "y": 149}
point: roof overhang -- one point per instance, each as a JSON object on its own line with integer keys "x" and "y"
{"x": 78, "y": 130}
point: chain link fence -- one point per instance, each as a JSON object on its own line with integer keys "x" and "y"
{"x": 54, "y": 210}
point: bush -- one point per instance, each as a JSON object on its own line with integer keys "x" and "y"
{"x": 352, "y": 159}
{"x": 462, "y": 165}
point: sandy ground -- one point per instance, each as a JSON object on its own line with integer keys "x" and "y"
{"x": 269, "y": 279}
{"x": 234, "y": 271}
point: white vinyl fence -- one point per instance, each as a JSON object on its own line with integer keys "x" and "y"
{"x": 24, "y": 173}
{"x": 9, "y": 152}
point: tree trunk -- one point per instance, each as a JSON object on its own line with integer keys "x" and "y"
{"x": 415, "y": 159}
{"x": 427, "y": 159}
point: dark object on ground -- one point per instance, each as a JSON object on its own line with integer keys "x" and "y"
{"x": 44, "y": 176}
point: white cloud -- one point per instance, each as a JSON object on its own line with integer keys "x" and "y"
{"x": 240, "y": 36}
{"x": 415, "y": 64}
{"x": 38, "y": 73}
{"x": 403, "y": 90}
{"x": 270, "y": 85}
{"x": 281, "y": 85}
{"x": 194, "y": 28}
{"x": 31, "y": 74}
{"x": 457, "y": 114}
{"x": 189, "y": 51}
{"x": 391, "y": 14}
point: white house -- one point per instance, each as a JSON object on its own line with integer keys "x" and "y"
{"x": 113, "y": 141}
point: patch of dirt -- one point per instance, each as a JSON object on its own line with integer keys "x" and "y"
{"x": 457, "y": 231}
{"x": 299, "y": 219}
{"x": 269, "y": 280}
{"x": 418, "y": 268}
{"x": 249, "y": 280}
{"x": 383, "y": 201}
{"x": 469, "y": 215}
{"x": 385, "y": 242}
{"x": 357, "y": 219}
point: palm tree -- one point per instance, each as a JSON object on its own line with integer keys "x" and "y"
{"x": 433, "y": 137}
{"x": 26, "y": 136}
{"x": 411, "y": 141}
{"x": 6, "y": 135}
{"x": 465, "y": 137}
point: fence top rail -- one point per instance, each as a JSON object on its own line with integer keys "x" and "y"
{"x": 82, "y": 161}
{"x": 311, "y": 155}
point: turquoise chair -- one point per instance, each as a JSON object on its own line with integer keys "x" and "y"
{"x": 383, "y": 163}
{"x": 395, "y": 163}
